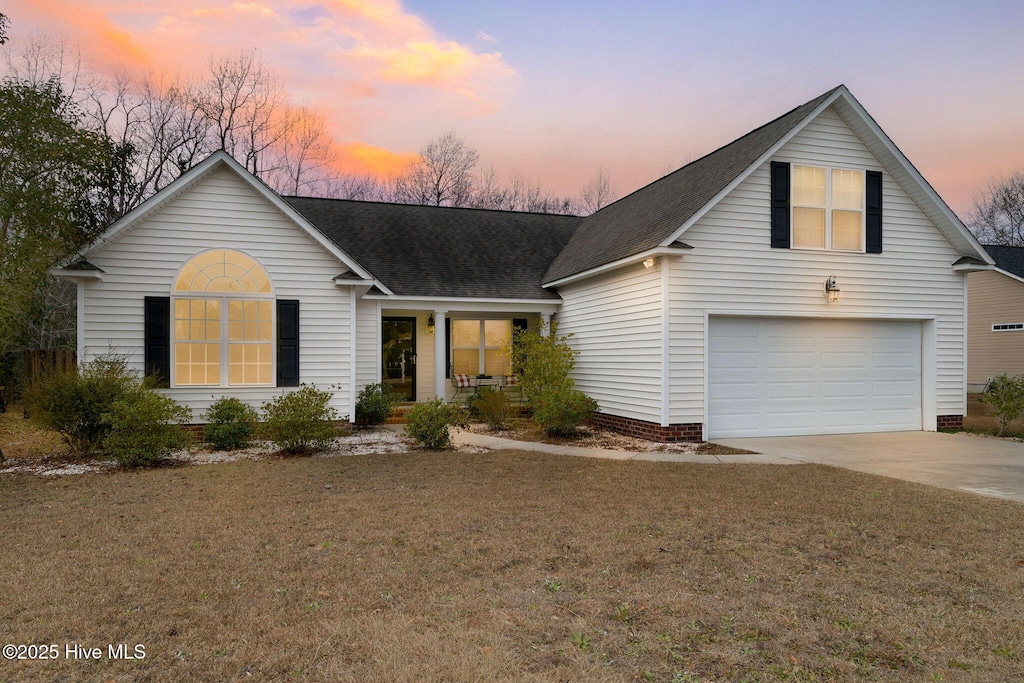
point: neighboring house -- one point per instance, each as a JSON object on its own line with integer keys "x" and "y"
{"x": 995, "y": 318}
{"x": 698, "y": 304}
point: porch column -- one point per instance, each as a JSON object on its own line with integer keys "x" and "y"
{"x": 545, "y": 330}
{"x": 440, "y": 360}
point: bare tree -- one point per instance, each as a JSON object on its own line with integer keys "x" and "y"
{"x": 519, "y": 193}
{"x": 998, "y": 213}
{"x": 3, "y": 28}
{"x": 442, "y": 176}
{"x": 307, "y": 155}
{"x": 597, "y": 193}
{"x": 244, "y": 105}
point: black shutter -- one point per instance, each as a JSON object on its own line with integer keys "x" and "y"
{"x": 447, "y": 347}
{"x": 287, "y": 343}
{"x": 780, "y": 205}
{"x": 157, "y": 339}
{"x": 873, "y": 225}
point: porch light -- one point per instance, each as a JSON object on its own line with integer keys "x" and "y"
{"x": 649, "y": 262}
{"x": 831, "y": 289}
{"x": 430, "y": 324}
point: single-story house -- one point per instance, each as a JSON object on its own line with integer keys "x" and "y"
{"x": 803, "y": 279}
{"x": 995, "y": 320}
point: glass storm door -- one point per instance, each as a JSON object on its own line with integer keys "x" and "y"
{"x": 398, "y": 355}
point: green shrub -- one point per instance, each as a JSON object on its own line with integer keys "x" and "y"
{"x": 1006, "y": 395}
{"x": 230, "y": 423}
{"x": 428, "y": 423}
{"x": 76, "y": 404}
{"x": 492, "y": 407}
{"x": 300, "y": 421}
{"x": 543, "y": 363}
{"x": 375, "y": 403}
{"x": 144, "y": 427}
{"x": 561, "y": 412}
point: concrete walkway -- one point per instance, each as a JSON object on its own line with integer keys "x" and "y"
{"x": 463, "y": 438}
{"x": 962, "y": 462}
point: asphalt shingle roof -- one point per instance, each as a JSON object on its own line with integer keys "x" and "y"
{"x": 1010, "y": 259}
{"x": 647, "y": 217}
{"x": 444, "y": 252}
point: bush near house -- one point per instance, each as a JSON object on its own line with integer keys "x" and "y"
{"x": 375, "y": 403}
{"x": 145, "y": 427}
{"x": 428, "y": 423}
{"x": 492, "y": 407}
{"x": 1006, "y": 396}
{"x": 561, "y": 412}
{"x": 231, "y": 424}
{"x": 300, "y": 421}
{"x": 77, "y": 405}
{"x": 544, "y": 365}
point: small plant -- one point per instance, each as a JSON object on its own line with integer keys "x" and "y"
{"x": 76, "y": 403}
{"x": 552, "y": 585}
{"x": 231, "y": 423}
{"x": 144, "y": 427}
{"x": 1006, "y": 395}
{"x": 542, "y": 362}
{"x": 493, "y": 408}
{"x": 300, "y": 421}
{"x": 375, "y": 403}
{"x": 428, "y": 423}
{"x": 581, "y": 641}
{"x": 561, "y": 411}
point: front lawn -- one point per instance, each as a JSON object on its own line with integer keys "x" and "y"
{"x": 510, "y": 566}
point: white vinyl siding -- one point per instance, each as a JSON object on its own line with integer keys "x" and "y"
{"x": 367, "y": 343}
{"x": 615, "y": 320}
{"x": 222, "y": 211}
{"x": 733, "y": 269}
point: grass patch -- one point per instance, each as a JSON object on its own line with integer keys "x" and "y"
{"x": 511, "y": 566}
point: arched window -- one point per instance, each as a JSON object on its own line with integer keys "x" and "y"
{"x": 223, "y": 306}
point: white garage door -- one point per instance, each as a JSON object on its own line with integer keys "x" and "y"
{"x": 786, "y": 376}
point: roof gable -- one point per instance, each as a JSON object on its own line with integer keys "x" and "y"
{"x": 658, "y": 214}
{"x": 191, "y": 178}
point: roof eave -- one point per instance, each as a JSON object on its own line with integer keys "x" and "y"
{"x": 621, "y": 263}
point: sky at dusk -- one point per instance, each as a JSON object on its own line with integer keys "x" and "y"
{"x": 558, "y": 90}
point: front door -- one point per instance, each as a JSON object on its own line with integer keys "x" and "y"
{"x": 398, "y": 355}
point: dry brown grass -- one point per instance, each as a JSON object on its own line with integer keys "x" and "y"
{"x": 981, "y": 418}
{"x": 511, "y": 566}
{"x": 20, "y": 440}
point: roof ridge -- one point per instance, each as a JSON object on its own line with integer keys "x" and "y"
{"x": 431, "y": 206}
{"x": 823, "y": 96}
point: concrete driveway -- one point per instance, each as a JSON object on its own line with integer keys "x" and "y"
{"x": 987, "y": 466}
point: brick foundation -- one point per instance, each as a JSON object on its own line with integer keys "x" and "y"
{"x": 650, "y": 430}
{"x": 950, "y": 422}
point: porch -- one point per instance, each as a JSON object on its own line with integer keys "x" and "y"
{"x": 418, "y": 347}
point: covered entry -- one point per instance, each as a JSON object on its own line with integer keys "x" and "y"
{"x": 793, "y": 376}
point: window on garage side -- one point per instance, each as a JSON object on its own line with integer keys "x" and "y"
{"x": 223, "y": 306}
{"x": 828, "y": 208}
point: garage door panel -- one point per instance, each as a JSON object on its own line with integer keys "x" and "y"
{"x": 785, "y": 420}
{"x": 843, "y": 391}
{"x": 843, "y": 360}
{"x": 777, "y": 376}
{"x": 843, "y": 420}
{"x": 788, "y": 360}
{"x": 789, "y": 390}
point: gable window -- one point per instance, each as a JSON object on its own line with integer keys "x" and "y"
{"x": 828, "y": 208}
{"x": 480, "y": 347}
{"x": 223, "y": 313}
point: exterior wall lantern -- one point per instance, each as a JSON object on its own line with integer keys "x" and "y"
{"x": 831, "y": 289}
{"x": 430, "y": 324}
{"x": 649, "y": 262}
